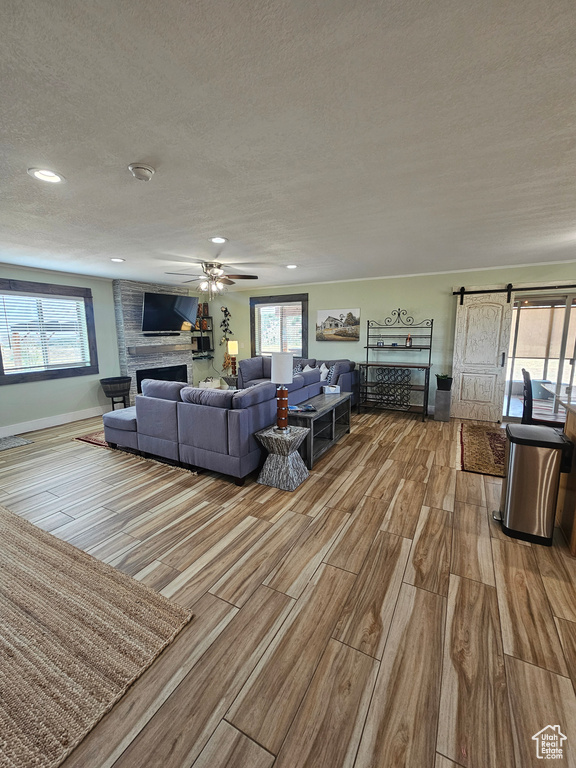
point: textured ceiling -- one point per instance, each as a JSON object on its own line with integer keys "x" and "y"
{"x": 353, "y": 138}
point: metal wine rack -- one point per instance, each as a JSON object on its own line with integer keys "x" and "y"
{"x": 396, "y": 374}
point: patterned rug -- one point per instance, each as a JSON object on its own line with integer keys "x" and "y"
{"x": 12, "y": 442}
{"x": 97, "y": 438}
{"x": 75, "y": 633}
{"x": 94, "y": 438}
{"x": 483, "y": 449}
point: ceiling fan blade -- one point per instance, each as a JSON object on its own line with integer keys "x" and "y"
{"x": 186, "y": 274}
{"x": 243, "y": 277}
{"x": 225, "y": 280}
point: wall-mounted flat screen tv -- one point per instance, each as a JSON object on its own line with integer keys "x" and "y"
{"x": 168, "y": 312}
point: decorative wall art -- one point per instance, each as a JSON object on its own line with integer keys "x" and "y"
{"x": 338, "y": 325}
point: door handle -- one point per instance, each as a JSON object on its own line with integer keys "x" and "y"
{"x": 503, "y": 359}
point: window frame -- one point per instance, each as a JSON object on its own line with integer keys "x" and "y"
{"x": 50, "y": 289}
{"x": 287, "y": 298}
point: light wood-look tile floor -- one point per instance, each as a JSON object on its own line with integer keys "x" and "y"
{"x": 374, "y": 618}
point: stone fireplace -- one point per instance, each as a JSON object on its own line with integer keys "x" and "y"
{"x": 139, "y": 354}
{"x": 166, "y": 373}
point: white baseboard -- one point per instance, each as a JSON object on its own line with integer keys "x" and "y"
{"x": 52, "y": 421}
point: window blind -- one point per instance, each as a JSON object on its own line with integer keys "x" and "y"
{"x": 278, "y": 328}
{"x": 42, "y": 333}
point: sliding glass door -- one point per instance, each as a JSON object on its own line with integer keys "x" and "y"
{"x": 543, "y": 342}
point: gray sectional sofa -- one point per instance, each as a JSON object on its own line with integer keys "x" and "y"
{"x": 305, "y": 384}
{"x": 211, "y": 428}
{"x": 207, "y": 428}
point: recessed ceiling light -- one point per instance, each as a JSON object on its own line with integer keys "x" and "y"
{"x": 43, "y": 174}
{"x": 291, "y": 266}
{"x": 218, "y": 239}
{"x": 118, "y": 260}
{"x": 141, "y": 172}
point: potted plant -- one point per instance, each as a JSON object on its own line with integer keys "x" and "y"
{"x": 443, "y": 382}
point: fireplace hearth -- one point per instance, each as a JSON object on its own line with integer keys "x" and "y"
{"x": 166, "y": 373}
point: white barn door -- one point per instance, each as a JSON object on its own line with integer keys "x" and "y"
{"x": 481, "y": 341}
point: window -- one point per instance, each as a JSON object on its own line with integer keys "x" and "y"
{"x": 279, "y": 324}
{"x": 46, "y": 332}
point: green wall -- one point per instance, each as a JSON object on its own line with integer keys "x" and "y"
{"x": 425, "y": 296}
{"x": 21, "y": 403}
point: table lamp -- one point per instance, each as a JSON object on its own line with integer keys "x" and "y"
{"x": 282, "y": 374}
{"x": 233, "y": 351}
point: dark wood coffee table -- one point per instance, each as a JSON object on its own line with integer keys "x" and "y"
{"x": 328, "y": 423}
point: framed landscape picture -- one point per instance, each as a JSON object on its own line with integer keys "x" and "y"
{"x": 338, "y": 325}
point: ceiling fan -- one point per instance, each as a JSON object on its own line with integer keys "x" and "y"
{"x": 214, "y": 280}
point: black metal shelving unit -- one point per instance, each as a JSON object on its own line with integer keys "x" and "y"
{"x": 396, "y": 374}
{"x": 203, "y": 331}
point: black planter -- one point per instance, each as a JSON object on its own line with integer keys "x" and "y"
{"x": 117, "y": 388}
{"x": 444, "y": 385}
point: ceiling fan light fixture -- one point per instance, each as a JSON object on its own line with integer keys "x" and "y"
{"x": 203, "y": 286}
{"x": 141, "y": 172}
{"x": 43, "y": 174}
{"x": 218, "y": 239}
{"x": 291, "y": 266}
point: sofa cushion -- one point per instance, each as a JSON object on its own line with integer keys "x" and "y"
{"x": 296, "y": 383}
{"x": 329, "y": 363}
{"x": 166, "y": 390}
{"x": 124, "y": 419}
{"x": 304, "y": 361}
{"x": 311, "y": 376}
{"x": 253, "y": 395}
{"x": 252, "y": 369}
{"x": 217, "y": 398}
{"x": 338, "y": 368}
{"x": 257, "y": 382}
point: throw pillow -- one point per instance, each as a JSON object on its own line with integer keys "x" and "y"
{"x": 297, "y": 368}
{"x": 324, "y": 370}
{"x": 308, "y": 368}
{"x": 330, "y": 374}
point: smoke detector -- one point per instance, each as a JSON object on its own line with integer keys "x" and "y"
{"x": 141, "y": 172}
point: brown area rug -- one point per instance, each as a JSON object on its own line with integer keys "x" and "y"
{"x": 483, "y": 449}
{"x": 94, "y": 438}
{"x": 97, "y": 438}
{"x": 74, "y": 634}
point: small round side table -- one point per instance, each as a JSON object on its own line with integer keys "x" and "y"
{"x": 284, "y": 467}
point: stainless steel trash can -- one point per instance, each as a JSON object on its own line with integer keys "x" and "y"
{"x": 535, "y": 456}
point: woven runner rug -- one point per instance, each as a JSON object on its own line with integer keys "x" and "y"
{"x": 12, "y": 442}
{"x": 74, "y": 634}
{"x": 483, "y": 449}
